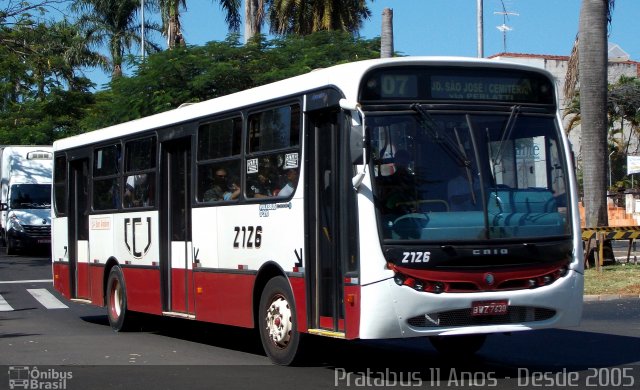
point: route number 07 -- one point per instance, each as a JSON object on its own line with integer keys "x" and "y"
{"x": 247, "y": 237}
{"x": 395, "y": 85}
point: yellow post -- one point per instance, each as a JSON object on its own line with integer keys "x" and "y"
{"x": 600, "y": 260}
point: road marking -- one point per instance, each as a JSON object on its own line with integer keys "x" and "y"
{"x": 4, "y": 306}
{"x": 26, "y": 281}
{"x": 47, "y": 299}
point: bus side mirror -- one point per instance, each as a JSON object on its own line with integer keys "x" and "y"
{"x": 356, "y": 131}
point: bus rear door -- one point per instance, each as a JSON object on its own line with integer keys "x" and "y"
{"x": 176, "y": 256}
{"x": 79, "y": 229}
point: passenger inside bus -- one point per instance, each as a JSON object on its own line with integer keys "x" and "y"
{"x": 260, "y": 186}
{"x": 461, "y": 191}
{"x": 291, "y": 183}
{"x": 223, "y": 187}
{"x": 398, "y": 188}
{"x": 136, "y": 192}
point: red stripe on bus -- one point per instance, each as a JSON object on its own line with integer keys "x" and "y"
{"x": 96, "y": 274}
{"x": 225, "y": 298}
{"x": 83, "y": 287}
{"x": 300, "y": 296}
{"x": 143, "y": 289}
{"x": 61, "y": 279}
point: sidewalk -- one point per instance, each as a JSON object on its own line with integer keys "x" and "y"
{"x": 609, "y": 297}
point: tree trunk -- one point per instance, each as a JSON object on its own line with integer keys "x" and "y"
{"x": 253, "y": 19}
{"x": 592, "y": 65}
{"x": 386, "y": 39}
{"x": 174, "y": 33}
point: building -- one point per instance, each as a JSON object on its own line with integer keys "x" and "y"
{"x": 620, "y": 64}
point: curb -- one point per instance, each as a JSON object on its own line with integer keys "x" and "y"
{"x": 609, "y": 297}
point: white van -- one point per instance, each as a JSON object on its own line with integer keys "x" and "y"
{"x": 25, "y": 196}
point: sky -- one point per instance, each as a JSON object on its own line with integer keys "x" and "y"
{"x": 449, "y": 27}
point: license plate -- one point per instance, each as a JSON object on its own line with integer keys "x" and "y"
{"x": 44, "y": 241}
{"x": 489, "y": 308}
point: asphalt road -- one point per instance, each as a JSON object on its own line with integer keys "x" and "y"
{"x": 55, "y": 343}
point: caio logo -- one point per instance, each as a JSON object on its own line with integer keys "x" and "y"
{"x": 137, "y": 236}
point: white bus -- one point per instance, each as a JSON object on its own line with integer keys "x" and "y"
{"x": 389, "y": 198}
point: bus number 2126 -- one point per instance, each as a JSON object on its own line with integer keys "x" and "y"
{"x": 247, "y": 237}
{"x": 416, "y": 257}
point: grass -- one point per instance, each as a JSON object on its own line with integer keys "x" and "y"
{"x": 621, "y": 278}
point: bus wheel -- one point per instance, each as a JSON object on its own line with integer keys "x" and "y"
{"x": 458, "y": 345}
{"x": 120, "y": 318}
{"x": 277, "y": 322}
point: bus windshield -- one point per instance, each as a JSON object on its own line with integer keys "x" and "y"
{"x": 463, "y": 176}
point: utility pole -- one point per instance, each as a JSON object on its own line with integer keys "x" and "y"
{"x": 480, "y": 26}
{"x": 142, "y": 27}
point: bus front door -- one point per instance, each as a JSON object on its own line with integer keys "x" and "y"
{"x": 176, "y": 258}
{"x": 78, "y": 244}
{"x": 323, "y": 208}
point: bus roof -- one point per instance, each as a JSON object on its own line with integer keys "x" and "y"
{"x": 344, "y": 76}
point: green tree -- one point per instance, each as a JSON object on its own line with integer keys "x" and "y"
{"x": 43, "y": 93}
{"x": 304, "y": 17}
{"x": 191, "y": 74}
{"x": 113, "y": 23}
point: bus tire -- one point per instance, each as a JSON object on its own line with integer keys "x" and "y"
{"x": 277, "y": 322}
{"x": 121, "y": 318}
{"x": 463, "y": 345}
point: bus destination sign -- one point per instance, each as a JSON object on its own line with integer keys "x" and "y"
{"x": 457, "y": 84}
{"x": 474, "y": 88}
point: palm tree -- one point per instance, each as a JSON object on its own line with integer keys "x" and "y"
{"x": 172, "y": 27}
{"x": 254, "y": 17}
{"x": 590, "y": 71}
{"x": 114, "y": 23}
{"x": 592, "y": 75}
{"x": 386, "y": 39}
{"x": 304, "y": 17}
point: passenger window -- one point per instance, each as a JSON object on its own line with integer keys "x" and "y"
{"x": 220, "y": 139}
{"x": 274, "y": 129}
{"x": 219, "y": 147}
{"x": 60, "y": 185}
{"x": 106, "y": 170}
{"x": 140, "y": 177}
{"x": 273, "y": 175}
{"x": 273, "y": 160}
{"x": 219, "y": 181}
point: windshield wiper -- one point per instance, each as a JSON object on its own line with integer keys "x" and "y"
{"x": 506, "y": 132}
{"x": 427, "y": 123}
{"x": 467, "y": 166}
{"x": 495, "y": 160}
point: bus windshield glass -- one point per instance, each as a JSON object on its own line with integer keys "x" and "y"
{"x": 452, "y": 177}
